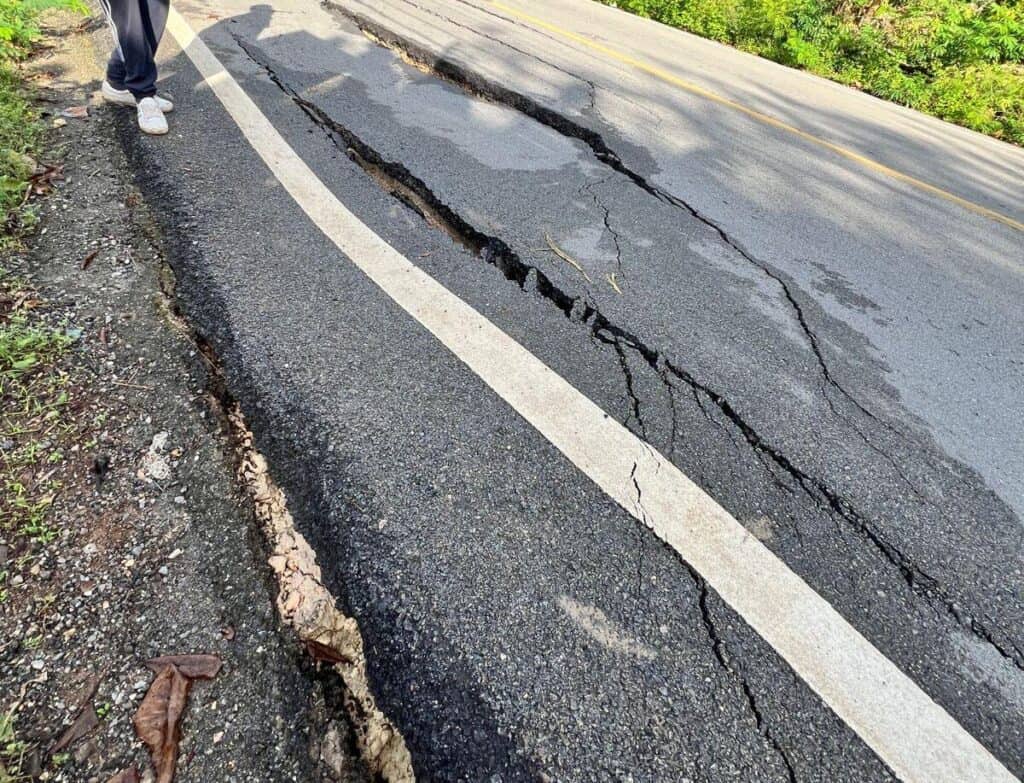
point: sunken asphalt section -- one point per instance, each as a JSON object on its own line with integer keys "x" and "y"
{"x": 517, "y": 623}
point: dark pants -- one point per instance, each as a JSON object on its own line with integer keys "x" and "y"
{"x": 137, "y": 26}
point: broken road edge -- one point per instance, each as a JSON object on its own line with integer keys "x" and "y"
{"x": 304, "y": 603}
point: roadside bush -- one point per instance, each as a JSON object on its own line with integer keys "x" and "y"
{"x": 958, "y": 60}
{"x": 19, "y": 126}
{"x": 19, "y": 134}
{"x": 19, "y": 26}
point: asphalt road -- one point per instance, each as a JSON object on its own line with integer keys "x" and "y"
{"x": 808, "y": 301}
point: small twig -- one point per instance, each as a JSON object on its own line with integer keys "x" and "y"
{"x": 24, "y": 689}
{"x": 566, "y": 257}
{"x": 611, "y": 281}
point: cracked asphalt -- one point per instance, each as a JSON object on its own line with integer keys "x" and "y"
{"x": 836, "y": 359}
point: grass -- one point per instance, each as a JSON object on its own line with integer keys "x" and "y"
{"x": 20, "y": 132}
{"x": 34, "y": 415}
{"x": 33, "y": 398}
{"x": 12, "y": 751}
{"x": 20, "y": 129}
{"x": 33, "y": 392}
{"x": 36, "y": 423}
{"x": 960, "y": 60}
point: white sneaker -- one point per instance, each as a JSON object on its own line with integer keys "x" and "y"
{"x": 151, "y": 119}
{"x": 125, "y": 98}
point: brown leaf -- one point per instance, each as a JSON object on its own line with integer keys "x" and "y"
{"x": 195, "y": 667}
{"x": 26, "y": 300}
{"x": 41, "y": 182}
{"x": 158, "y": 717}
{"x": 84, "y": 723}
{"x": 76, "y": 112}
{"x": 47, "y": 175}
{"x": 89, "y": 258}
{"x": 90, "y": 683}
{"x": 321, "y": 652}
{"x": 130, "y": 775}
{"x": 228, "y": 632}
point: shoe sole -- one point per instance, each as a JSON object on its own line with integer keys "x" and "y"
{"x": 162, "y": 132}
{"x": 118, "y": 100}
{"x": 122, "y": 100}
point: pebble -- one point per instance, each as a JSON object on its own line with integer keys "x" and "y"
{"x": 162, "y": 571}
{"x": 84, "y": 751}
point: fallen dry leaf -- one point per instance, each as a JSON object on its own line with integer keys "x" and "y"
{"x": 90, "y": 684}
{"x": 42, "y": 182}
{"x": 158, "y": 717}
{"x": 76, "y": 112}
{"x": 89, "y": 258}
{"x": 321, "y": 652}
{"x": 84, "y": 723}
{"x": 157, "y": 721}
{"x": 195, "y": 667}
{"x": 228, "y": 632}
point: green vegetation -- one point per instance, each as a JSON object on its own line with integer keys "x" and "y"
{"x": 33, "y": 411}
{"x": 34, "y": 415}
{"x": 959, "y": 60}
{"x": 12, "y": 751}
{"x": 19, "y": 122}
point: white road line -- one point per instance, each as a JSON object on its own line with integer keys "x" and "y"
{"x": 918, "y": 739}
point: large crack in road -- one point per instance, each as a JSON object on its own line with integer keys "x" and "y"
{"x": 479, "y": 86}
{"x": 412, "y": 191}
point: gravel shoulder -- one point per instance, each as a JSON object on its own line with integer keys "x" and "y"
{"x": 153, "y": 549}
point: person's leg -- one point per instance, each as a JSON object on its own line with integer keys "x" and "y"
{"x": 138, "y": 26}
{"x": 115, "y": 69}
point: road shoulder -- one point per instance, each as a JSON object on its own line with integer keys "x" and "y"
{"x": 150, "y": 546}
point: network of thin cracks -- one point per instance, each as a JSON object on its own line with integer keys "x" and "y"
{"x": 581, "y": 309}
{"x": 718, "y": 646}
{"x": 606, "y": 219}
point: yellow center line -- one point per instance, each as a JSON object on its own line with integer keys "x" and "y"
{"x": 767, "y": 119}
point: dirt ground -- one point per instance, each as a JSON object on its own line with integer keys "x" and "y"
{"x": 154, "y": 549}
